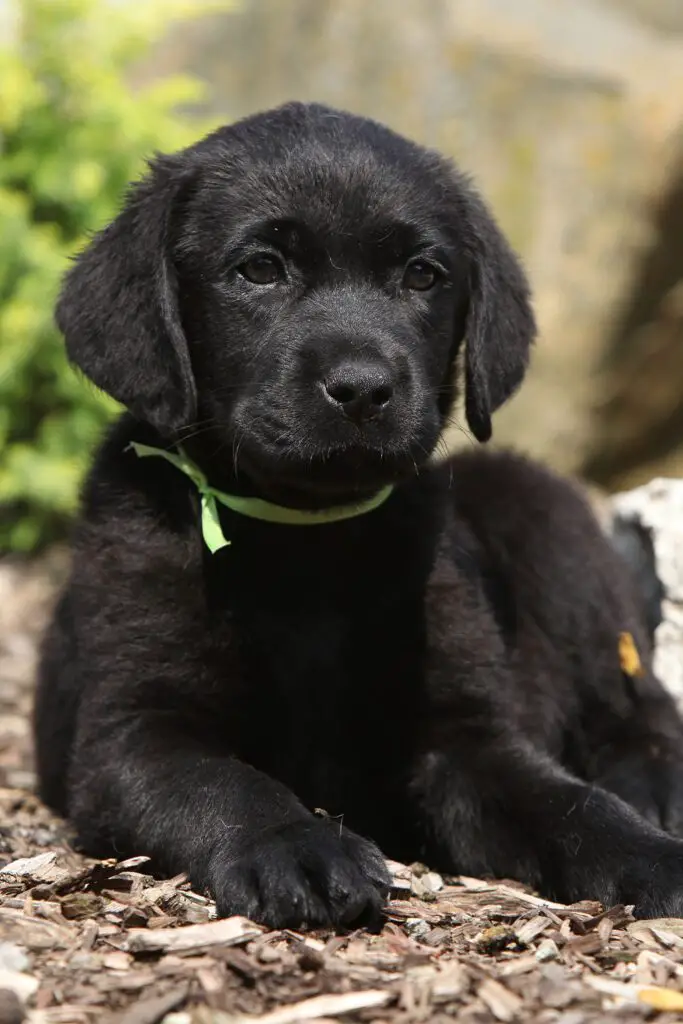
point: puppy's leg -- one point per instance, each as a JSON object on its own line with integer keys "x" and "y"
{"x": 144, "y": 785}
{"x": 640, "y": 756}
{"x": 651, "y": 782}
{"x": 508, "y": 811}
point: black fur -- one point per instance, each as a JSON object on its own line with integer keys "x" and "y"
{"x": 440, "y": 675}
{"x": 634, "y": 543}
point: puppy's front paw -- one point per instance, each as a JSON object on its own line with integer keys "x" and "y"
{"x": 305, "y": 874}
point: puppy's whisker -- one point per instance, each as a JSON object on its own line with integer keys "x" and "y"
{"x": 200, "y": 431}
{"x": 222, "y": 446}
{"x": 236, "y": 443}
{"x": 442, "y": 448}
{"x": 197, "y": 423}
{"x": 427, "y": 454}
{"x": 452, "y": 422}
{"x": 225, "y": 389}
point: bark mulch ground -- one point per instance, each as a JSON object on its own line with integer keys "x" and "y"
{"x": 86, "y": 941}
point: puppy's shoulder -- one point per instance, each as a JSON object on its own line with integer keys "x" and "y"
{"x": 542, "y": 544}
{"x": 513, "y": 495}
{"x": 530, "y": 522}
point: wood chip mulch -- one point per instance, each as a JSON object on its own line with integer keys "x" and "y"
{"x": 86, "y": 941}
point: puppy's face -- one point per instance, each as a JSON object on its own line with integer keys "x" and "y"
{"x": 301, "y": 283}
{"x": 321, "y": 294}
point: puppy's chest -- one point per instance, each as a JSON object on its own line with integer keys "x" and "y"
{"x": 327, "y": 698}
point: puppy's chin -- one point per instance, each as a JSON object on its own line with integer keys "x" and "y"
{"x": 332, "y": 477}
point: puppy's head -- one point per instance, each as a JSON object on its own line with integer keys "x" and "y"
{"x": 297, "y": 286}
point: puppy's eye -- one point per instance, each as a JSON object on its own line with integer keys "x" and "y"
{"x": 262, "y": 270}
{"x": 419, "y": 276}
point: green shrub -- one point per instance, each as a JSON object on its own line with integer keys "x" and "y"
{"x": 73, "y": 132}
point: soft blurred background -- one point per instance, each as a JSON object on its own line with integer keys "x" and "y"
{"x": 569, "y": 114}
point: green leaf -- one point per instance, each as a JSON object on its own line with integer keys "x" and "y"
{"x": 73, "y": 132}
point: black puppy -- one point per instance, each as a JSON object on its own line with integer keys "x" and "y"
{"x": 431, "y": 655}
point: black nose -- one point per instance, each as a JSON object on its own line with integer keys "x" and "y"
{"x": 361, "y": 390}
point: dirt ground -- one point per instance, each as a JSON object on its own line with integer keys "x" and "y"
{"x": 86, "y": 941}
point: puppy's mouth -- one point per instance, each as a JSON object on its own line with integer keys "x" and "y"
{"x": 333, "y": 476}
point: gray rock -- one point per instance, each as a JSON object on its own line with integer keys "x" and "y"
{"x": 657, "y": 508}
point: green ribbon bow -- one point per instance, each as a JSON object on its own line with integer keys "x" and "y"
{"x": 255, "y": 508}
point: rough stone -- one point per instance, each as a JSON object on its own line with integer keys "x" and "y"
{"x": 657, "y": 508}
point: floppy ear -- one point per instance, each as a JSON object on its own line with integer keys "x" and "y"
{"x": 500, "y": 325}
{"x": 118, "y": 308}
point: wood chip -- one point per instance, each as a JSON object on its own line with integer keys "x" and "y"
{"x": 547, "y": 950}
{"x": 503, "y": 1004}
{"x": 402, "y": 909}
{"x": 527, "y": 897}
{"x": 473, "y": 884}
{"x": 584, "y": 944}
{"x": 33, "y": 933}
{"x": 400, "y": 878}
{"x": 228, "y": 931}
{"x": 117, "y": 961}
{"x": 520, "y": 965}
{"x": 667, "y": 938}
{"x": 320, "y": 1006}
{"x": 530, "y": 930}
{"x": 149, "y": 1011}
{"x": 78, "y": 905}
{"x": 657, "y": 997}
{"x": 450, "y": 983}
{"x": 609, "y": 986}
{"x": 42, "y": 868}
{"x": 28, "y": 865}
{"x": 211, "y": 979}
{"x": 657, "y": 932}
{"x": 131, "y": 863}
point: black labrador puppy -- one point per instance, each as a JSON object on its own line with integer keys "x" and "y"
{"x": 278, "y": 605}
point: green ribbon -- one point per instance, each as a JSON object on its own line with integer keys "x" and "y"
{"x": 255, "y": 508}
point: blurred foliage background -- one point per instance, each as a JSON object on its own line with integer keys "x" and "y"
{"x": 74, "y": 130}
{"x": 569, "y": 115}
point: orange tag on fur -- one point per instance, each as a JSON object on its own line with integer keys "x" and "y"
{"x": 628, "y": 656}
